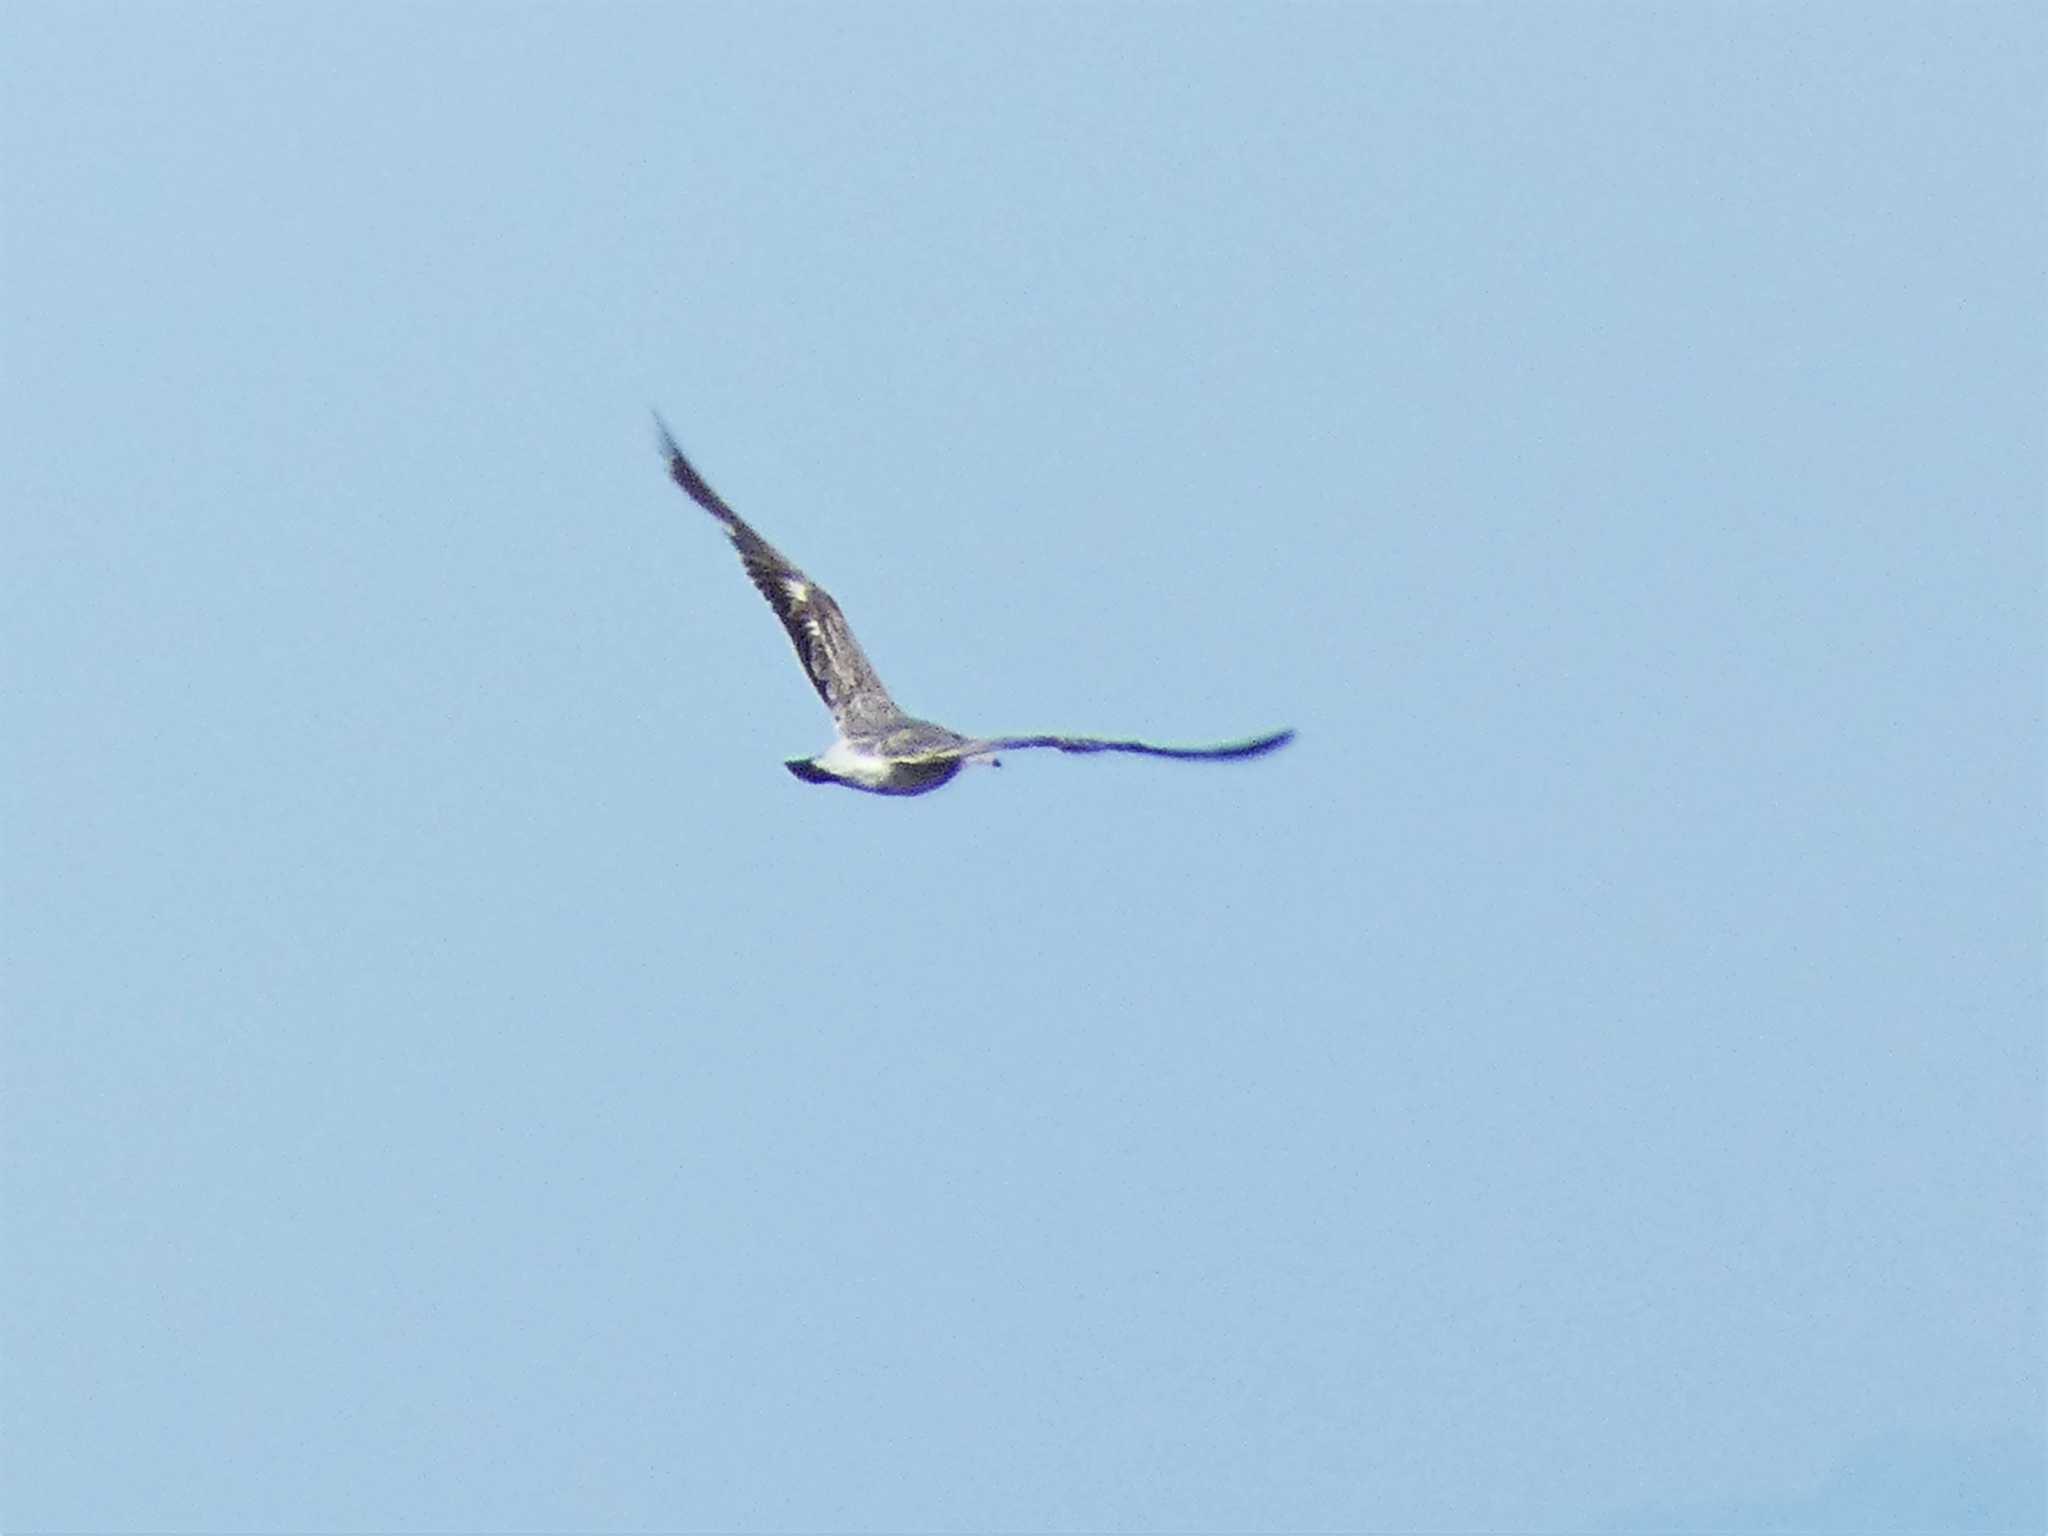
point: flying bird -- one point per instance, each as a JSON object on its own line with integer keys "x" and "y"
{"x": 879, "y": 748}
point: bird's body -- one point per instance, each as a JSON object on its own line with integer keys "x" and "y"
{"x": 905, "y": 759}
{"x": 879, "y": 748}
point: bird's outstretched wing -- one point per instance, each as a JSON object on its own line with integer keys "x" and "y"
{"x": 1226, "y": 749}
{"x": 832, "y": 658}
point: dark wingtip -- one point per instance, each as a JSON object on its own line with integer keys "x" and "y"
{"x": 1256, "y": 746}
{"x": 684, "y": 473}
{"x": 665, "y": 439}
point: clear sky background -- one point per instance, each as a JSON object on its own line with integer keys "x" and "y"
{"x": 454, "y": 1077}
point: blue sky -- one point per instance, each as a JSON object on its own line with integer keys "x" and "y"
{"x": 456, "y": 1078}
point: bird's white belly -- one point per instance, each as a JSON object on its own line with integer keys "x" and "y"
{"x": 843, "y": 760}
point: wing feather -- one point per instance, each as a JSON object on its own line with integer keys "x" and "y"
{"x": 1251, "y": 747}
{"x": 824, "y": 642}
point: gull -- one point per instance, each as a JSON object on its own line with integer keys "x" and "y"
{"x": 879, "y": 748}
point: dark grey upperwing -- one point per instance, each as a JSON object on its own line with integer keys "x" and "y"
{"x": 1227, "y": 749}
{"x": 832, "y": 658}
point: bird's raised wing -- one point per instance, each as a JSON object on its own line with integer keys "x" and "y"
{"x": 1227, "y": 749}
{"x": 832, "y": 658}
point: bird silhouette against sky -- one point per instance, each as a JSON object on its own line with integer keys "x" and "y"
{"x": 879, "y": 748}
